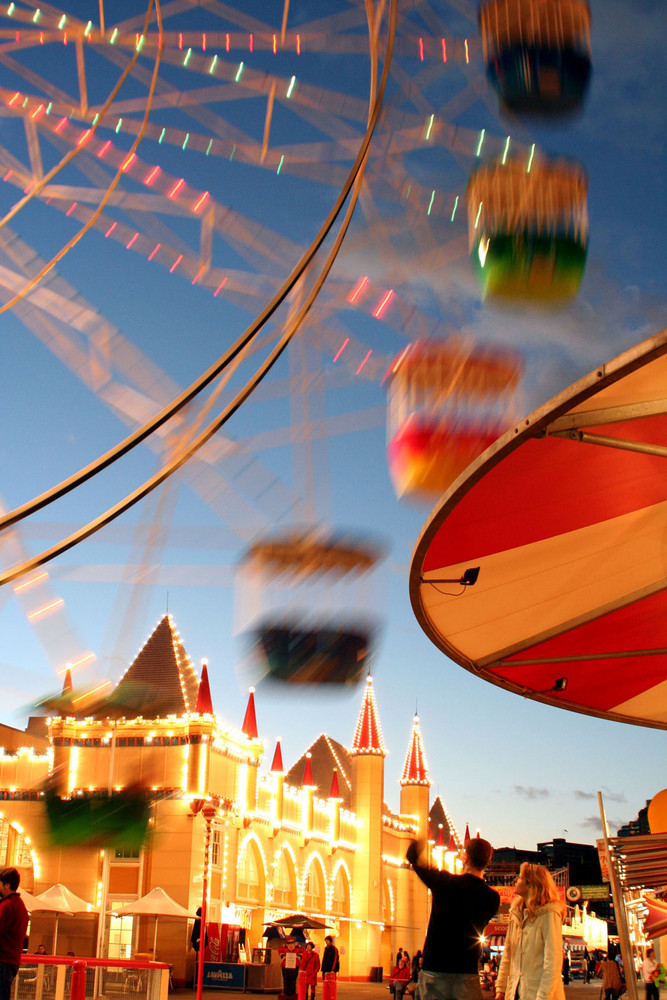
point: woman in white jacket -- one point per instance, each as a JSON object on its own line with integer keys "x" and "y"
{"x": 532, "y": 961}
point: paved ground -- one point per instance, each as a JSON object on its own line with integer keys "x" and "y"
{"x": 577, "y": 990}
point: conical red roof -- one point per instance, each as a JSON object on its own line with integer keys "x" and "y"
{"x": 277, "y": 764}
{"x": 204, "y": 705}
{"x": 368, "y": 737}
{"x": 452, "y": 844}
{"x": 308, "y": 774}
{"x": 415, "y": 769}
{"x": 67, "y": 683}
{"x": 249, "y": 726}
{"x": 325, "y": 755}
{"x": 335, "y": 790}
{"x": 441, "y": 836}
{"x": 467, "y": 835}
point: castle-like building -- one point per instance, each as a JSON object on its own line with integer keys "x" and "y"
{"x": 317, "y": 839}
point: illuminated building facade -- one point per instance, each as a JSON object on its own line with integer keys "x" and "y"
{"x": 318, "y": 839}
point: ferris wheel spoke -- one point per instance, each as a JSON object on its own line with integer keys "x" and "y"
{"x": 348, "y": 423}
{"x": 142, "y": 571}
{"x": 44, "y": 610}
{"x": 261, "y": 246}
{"x": 40, "y": 84}
{"x": 132, "y": 407}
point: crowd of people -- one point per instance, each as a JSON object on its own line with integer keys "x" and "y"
{"x": 304, "y": 964}
{"x": 534, "y": 964}
{"x": 405, "y": 974}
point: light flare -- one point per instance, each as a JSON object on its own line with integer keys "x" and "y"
{"x": 46, "y": 609}
{"x": 383, "y": 304}
{"x": 357, "y": 290}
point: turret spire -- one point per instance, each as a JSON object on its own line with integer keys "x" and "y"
{"x": 415, "y": 769}
{"x": 308, "y": 781}
{"x": 204, "y": 705}
{"x": 368, "y": 737}
{"x": 277, "y": 764}
{"x": 249, "y": 726}
{"x": 335, "y": 790}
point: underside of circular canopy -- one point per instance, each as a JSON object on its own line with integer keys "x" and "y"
{"x": 565, "y": 517}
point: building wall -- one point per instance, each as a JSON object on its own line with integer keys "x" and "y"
{"x": 380, "y": 904}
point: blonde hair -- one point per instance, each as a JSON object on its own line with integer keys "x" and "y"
{"x": 541, "y": 887}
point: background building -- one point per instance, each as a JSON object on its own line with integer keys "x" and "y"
{"x": 637, "y": 827}
{"x": 576, "y": 871}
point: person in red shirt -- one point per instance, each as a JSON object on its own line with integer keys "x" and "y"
{"x": 310, "y": 966}
{"x": 400, "y": 978}
{"x": 290, "y": 959}
{"x": 13, "y": 926}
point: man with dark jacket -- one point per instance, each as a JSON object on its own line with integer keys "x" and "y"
{"x": 461, "y": 907}
{"x": 13, "y": 926}
{"x": 330, "y": 957}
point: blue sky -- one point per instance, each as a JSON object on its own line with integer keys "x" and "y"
{"x": 115, "y": 335}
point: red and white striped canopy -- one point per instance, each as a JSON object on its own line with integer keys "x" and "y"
{"x": 566, "y": 518}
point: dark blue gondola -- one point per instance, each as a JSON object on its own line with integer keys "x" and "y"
{"x": 537, "y": 54}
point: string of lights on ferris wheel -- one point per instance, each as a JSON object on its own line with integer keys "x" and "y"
{"x": 177, "y": 190}
{"x": 259, "y": 81}
{"x": 376, "y": 299}
{"x": 173, "y": 188}
{"x": 151, "y": 175}
{"x": 36, "y": 188}
{"x": 125, "y": 161}
{"x": 351, "y": 190}
{"x": 37, "y": 278}
{"x": 49, "y": 26}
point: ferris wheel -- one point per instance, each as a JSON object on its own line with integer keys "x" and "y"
{"x": 164, "y": 179}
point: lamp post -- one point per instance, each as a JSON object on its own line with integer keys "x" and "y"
{"x": 208, "y": 811}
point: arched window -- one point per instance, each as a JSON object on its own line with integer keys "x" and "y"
{"x": 15, "y": 851}
{"x": 313, "y": 898}
{"x": 341, "y": 894}
{"x": 284, "y": 888}
{"x": 249, "y": 881}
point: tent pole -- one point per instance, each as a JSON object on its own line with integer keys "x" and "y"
{"x": 102, "y": 917}
{"x": 619, "y": 911}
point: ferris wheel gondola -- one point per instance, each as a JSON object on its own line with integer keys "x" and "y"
{"x": 528, "y": 229}
{"x": 305, "y": 610}
{"x": 447, "y": 403}
{"x": 537, "y": 53}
